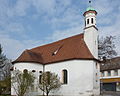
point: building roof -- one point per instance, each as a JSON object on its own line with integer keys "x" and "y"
{"x": 90, "y": 9}
{"x": 67, "y": 49}
{"x": 110, "y": 64}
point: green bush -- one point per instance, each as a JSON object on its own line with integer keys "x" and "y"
{"x": 5, "y": 95}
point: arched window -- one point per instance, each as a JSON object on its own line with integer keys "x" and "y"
{"x": 65, "y": 76}
{"x": 87, "y": 21}
{"x": 40, "y": 76}
{"x": 92, "y": 20}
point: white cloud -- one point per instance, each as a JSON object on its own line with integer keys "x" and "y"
{"x": 44, "y": 6}
{"x": 61, "y": 34}
{"x": 13, "y": 48}
{"x": 62, "y": 15}
{"x": 20, "y": 8}
{"x": 15, "y": 28}
{"x": 103, "y": 6}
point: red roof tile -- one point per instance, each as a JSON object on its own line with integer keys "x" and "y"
{"x": 67, "y": 49}
{"x": 110, "y": 64}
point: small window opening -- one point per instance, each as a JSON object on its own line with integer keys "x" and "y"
{"x": 33, "y": 71}
{"x": 92, "y": 20}
{"x": 87, "y": 21}
{"x": 40, "y": 71}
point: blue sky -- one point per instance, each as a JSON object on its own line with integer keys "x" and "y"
{"x": 25, "y": 24}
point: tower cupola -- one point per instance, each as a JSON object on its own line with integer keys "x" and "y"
{"x": 90, "y": 16}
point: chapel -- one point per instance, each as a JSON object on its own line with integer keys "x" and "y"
{"x": 74, "y": 59}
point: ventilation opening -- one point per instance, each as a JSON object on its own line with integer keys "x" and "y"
{"x": 56, "y": 51}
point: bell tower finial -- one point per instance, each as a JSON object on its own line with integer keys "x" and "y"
{"x": 90, "y": 2}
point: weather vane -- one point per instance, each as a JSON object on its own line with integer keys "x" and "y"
{"x": 90, "y": 3}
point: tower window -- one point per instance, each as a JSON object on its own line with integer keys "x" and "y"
{"x": 92, "y": 20}
{"x": 87, "y": 21}
{"x": 65, "y": 76}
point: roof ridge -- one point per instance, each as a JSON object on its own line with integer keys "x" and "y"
{"x": 59, "y": 40}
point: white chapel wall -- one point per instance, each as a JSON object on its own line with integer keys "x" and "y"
{"x": 30, "y": 67}
{"x": 91, "y": 40}
{"x": 81, "y": 77}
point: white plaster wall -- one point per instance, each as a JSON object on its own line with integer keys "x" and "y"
{"x": 81, "y": 77}
{"x": 119, "y": 72}
{"x": 91, "y": 40}
{"x": 106, "y": 73}
{"x": 112, "y": 73}
{"x": 29, "y": 66}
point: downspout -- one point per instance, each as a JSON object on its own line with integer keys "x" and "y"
{"x": 43, "y": 72}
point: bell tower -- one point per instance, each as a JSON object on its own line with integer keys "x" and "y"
{"x": 90, "y": 16}
{"x": 90, "y": 30}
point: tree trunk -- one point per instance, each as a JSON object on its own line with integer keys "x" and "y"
{"x": 47, "y": 93}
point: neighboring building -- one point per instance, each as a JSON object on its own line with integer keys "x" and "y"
{"x": 74, "y": 59}
{"x": 110, "y": 74}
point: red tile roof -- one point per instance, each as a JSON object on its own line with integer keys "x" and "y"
{"x": 110, "y": 64}
{"x": 67, "y": 49}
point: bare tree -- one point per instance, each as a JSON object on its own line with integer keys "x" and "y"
{"x": 48, "y": 82}
{"x": 106, "y": 47}
{"x": 22, "y": 82}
